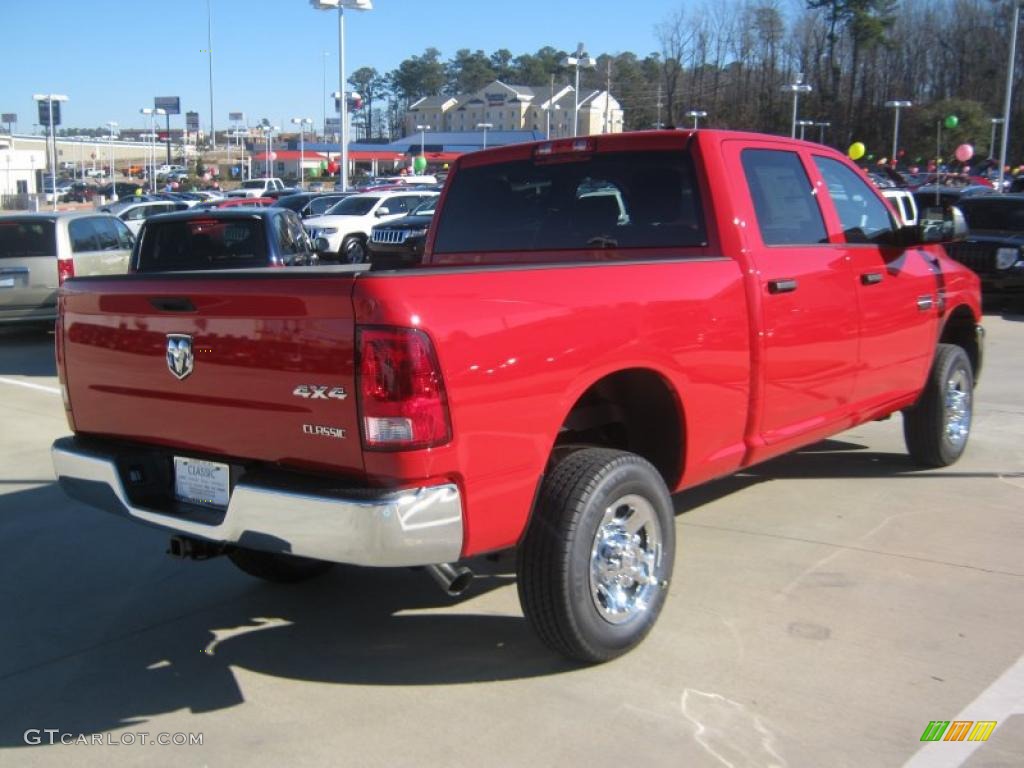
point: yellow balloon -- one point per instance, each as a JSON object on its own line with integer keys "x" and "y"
{"x": 856, "y": 150}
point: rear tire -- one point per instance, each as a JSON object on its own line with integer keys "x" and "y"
{"x": 937, "y": 426}
{"x": 353, "y": 250}
{"x": 276, "y": 567}
{"x": 596, "y": 561}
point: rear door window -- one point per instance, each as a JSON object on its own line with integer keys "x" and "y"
{"x": 613, "y": 200}
{"x": 84, "y": 237}
{"x": 27, "y": 237}
{"x": 106, "y": 234}
{"x": 784, "y": 201}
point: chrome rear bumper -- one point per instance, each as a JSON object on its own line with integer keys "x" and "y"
{"x": 419, "y": 526}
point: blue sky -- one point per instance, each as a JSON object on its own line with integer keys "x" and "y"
{"x": 112, "y": 57}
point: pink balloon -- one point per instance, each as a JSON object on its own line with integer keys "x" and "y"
{"x": 964, "y": 152}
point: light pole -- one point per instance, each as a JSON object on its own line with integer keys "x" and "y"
{"x": 821, "y": 130}
{"x": 49, "y": 98}
{"x": 341, "y": 5}
{"x": 153, "y": 113}
{"x": 268, "y": 131}
{"x": 323, "y": 95}
{"x": 113, "y": 175}
{"x": 803, "y": 126}
{"x": 209, "y": 53}
{"x": 696, "y": 115}
{"x": 485, "y": 126}
{"x": 992, "y": 139}
{"x": 423, "y": 138}
{"x": 302, "y": 122}
{"x": 897, "y": 105}
{"x": 578, "y": 59}
{"x": 1009, "y": 93}
{"x": 797, "y": 87}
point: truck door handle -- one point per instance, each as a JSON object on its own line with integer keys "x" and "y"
{"x": 172, "y": 304}
{"x": 871, "y": 278}
{"x": 783, "y": 285}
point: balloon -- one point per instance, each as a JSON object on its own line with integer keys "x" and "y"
{"x": 964, "y": 152}
{"x": 952, "y": 122}
{"x": 856, "y": 150}
{"x": 419, "y": 164}
{"x": 273, "y": 156}
{"x": 175, "y": 185}
{"x": 883, "y": 160}
{"x": 444, "y": 167}
{"x": 871, "y": 157}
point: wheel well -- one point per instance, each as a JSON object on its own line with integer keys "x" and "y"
{"x": 634, "y": 410}
{"x": 960, "y": 330}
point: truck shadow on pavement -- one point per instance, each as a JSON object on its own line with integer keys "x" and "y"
{"x": 105, "y": 632}
{"x": 26, "y": 352}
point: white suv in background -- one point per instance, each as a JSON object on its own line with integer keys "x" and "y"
{"x": 256, "y": 187}
{"x": 345, "y": 228}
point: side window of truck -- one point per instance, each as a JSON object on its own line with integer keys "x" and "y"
{"x": 864, "y": 217}
{"x": 784, "y": 202}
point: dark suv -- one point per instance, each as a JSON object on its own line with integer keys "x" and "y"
{"x": 238, "y": 238}
{"x": 995, "y": 246}
{"x": 399, "y": 243}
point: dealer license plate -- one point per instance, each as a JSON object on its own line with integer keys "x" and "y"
{"x": 202, "y": 482}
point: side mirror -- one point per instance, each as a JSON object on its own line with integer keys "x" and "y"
{"x": 321, "y": 245}
{"x": 383, "y": 211}
{"x": 952, "y": 228}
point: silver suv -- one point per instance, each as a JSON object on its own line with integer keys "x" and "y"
{"x": 39, "y": 251}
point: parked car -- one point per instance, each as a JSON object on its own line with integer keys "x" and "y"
{"x": 277, "y": 194}
{"x": 39, "y": 251}
{"x": 238, "y": 238}
{"x": 124, "y": 189}
{"x": 133, "y": 213}
{"x": 236, "y": 202}
{"x": 311, "y": 203}
{"x": 96, "y": 173}
{"x": 994, "y": 247}
{"x": 343, "y": 231}
{"x": 543, "y": 383}
{"x": 399, "y": 243}
{"x": 257, "y": 187}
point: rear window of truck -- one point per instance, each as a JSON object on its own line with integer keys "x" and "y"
{"x": 202, "y": 244}
{"x": 606, "y": 200}
{"x": 27, "y": 237}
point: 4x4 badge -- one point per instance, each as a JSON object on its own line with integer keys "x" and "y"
{"x": 180, "y": 359}
{"x": 320, "y": 392}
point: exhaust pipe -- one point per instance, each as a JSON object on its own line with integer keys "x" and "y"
{"x": 187, "y": 548}
{"x": 454, "y": 580}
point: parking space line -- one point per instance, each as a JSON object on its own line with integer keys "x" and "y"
{"x": 1005, "y": 697}
{"x": 29, "y": 385}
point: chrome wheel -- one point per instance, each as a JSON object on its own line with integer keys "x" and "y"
{"x": 957, "y": 404}
{"x": 625, "y": 559}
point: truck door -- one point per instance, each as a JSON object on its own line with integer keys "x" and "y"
{"x": 897, "y": 290}
{"x": 808, "y": 308}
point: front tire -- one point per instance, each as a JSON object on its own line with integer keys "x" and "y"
{"x": 596, "y": 561}
{"x": 276, "y": 567}
{"x": 353, "y": 250}
{"x": 937, "y": 426}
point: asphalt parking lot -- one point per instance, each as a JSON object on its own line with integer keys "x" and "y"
{"x": 827, "y": 606}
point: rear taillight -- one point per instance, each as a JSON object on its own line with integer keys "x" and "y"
{"x": 402, "y": 402}
{"x": 65, "y": 269}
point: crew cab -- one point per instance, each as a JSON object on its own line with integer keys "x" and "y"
{"x": 595, "y": 323}
{"x": 257, "y": 187}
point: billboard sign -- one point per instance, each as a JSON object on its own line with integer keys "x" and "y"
{"x": 236, "y": 117}
{"x": 170, "y": 104}
{"x": 9, "y": 117}
{"x": 192, "y": 122}
{"x": 44, "y": 112}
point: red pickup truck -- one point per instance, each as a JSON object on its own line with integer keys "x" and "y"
{"x": 596, "y": 323}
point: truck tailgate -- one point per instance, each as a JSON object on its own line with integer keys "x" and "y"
{"x": 246, "y": 366}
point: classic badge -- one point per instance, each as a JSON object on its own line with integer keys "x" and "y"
{"x": 180, "y": 359}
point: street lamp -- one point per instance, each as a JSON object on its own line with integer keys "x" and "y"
{"x": 485, "y": 126}
{"x": 696, "y": 115}
{"x": 1009, "y": 93}
{"x": 803, "y": 126}
{"x": 797, "y": 87}
{"x": 268, "y": 133}
{"x": 341, "y": 5}
{"x": 49, "y": 98}
{"x": 821, "y": 130}
{"x": 992, "y": 139}
{"x": 153, "y": 114}
{"x": 423, "y": 135}
{"x": 113, "y": 182}
{"x": 302, "y": 122}
{"x": 577, "y": 60}
{"x": 897, "y": 105}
